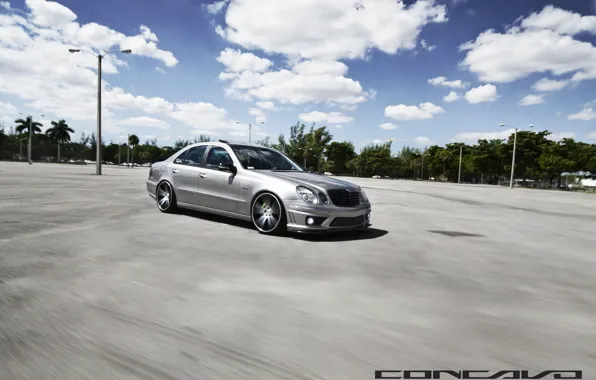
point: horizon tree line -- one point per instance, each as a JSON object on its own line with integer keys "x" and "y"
{"x": 488, "y": 161}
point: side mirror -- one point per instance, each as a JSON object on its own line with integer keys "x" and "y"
{"x": 228, "y": 168}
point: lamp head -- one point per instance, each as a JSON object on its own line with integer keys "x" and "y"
{"x": 126, "y": 51}
{"x": 74, "y": 50}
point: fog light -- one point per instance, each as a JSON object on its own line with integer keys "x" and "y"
{"x": 368, "y": 216}
{"x": 310, "y": 221}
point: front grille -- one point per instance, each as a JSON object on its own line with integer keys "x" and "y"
{"x": 347, "y": 222}
{"x": 344, "y": 198}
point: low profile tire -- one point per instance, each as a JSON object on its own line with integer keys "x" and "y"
{"x": 166, "y": 198}
{"x": 268, "y": 214}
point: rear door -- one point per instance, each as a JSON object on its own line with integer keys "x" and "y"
{"x": 185, "y": 174}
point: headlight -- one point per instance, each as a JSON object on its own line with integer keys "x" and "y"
{"x": 307, "y": 195}
{"x": 323, "y": 199}
{"x": 363, "y": 197}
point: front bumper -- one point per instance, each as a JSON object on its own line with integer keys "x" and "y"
{"x": 326, "y": 218}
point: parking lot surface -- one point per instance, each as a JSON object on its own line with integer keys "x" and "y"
{"x": 96, "y": 283}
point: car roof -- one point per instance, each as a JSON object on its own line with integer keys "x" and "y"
{"x": 220, "y": 142}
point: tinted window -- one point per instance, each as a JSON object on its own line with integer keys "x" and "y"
{"x": 195, "y": 155}
{"x": 192, "y": 156}
{"x": 180, "y": 158}
{"x": 218, "y": 155}
{"x": 257, "y": 158}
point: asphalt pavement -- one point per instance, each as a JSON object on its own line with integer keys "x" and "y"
{"x": 96, "y": 283}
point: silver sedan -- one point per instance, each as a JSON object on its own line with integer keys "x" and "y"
{"x": 257, "y": 184}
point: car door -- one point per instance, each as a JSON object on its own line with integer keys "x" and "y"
{"x": 219, "y": 189}
{"x": 185, "y": 174}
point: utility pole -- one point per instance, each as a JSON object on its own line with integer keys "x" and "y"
{"x": 249, "y": 133}
{"x": 30, "y": 137}
{"x": 98, "y": 143}
{"x": 514, "y": 149}
{"x": 127, "y": 150}
{"x": 30, "y": 133}
{"x": 513, "y": 159}
{"x": 461, "y": 148}
{"x": 98, "y": 146}
{"x": 422, "y": 169}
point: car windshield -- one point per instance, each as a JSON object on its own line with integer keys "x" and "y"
{"x": 256, "y": 158}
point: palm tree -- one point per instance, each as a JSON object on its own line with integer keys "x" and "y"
{"x": 23, "y": 126}
{"x": 60, "y": 133}
{"x": 133, "y": 140}
{"x": 30, "y": 127}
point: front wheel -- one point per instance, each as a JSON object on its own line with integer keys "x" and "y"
{"x": 166, "y": 199}
{"x": 268, "y": 214}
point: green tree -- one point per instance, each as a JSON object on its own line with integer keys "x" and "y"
{"x": 23, "y": 126}
{"x": 338, "y": 155}
{"x": 316, "y": 142}
{"x": 133, "y": 140}
{"x": 59, "y": 133}
{"x": 556, "y": 158}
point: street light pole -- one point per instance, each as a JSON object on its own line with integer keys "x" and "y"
{"x": 128, "y": 150}
{"x": 29, "y": 143}
{"x": 513, "y": 159}
{"x": 514, "y": 150}
{"x": 250, "y": 130}
{"x": 98, "y": 141}
{"x": 461, "y": 149}
{"x": 98, "y": 146}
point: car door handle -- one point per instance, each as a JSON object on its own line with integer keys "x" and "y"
{"x": 174, "y": 171}
{"x": 203, "y": 175}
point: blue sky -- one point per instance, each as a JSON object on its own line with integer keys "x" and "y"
{"x": 215, "y": 66}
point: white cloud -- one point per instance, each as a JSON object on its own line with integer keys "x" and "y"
{"x": 530, "y": 100}
{"x": 160, "y": 70}
{"x": 422, "y": 140}
{"x": 561, "y": 21}
{"x": 482, "y": 94}
{"x": 145, "y": 121}
{"x": 592, "y": 135}
{"x": 328, "y": 30}
{"x": 324, "y": 117}
{"x": 7, "y": 109}
{"x": 586, "y": 114}
{"x": 235, "y": 61}
{"x": 442, "y": 81}
{"x": 259, "y": 115}
{"x": 216, "y": 7}
{"x": 339, "y": 126}
{"x": 426, "y": 46}
{"x": 543, "y": 43}
{"x": 5, "y": 5}
{"x": 266, "y": 105}
{"x": 451, "y": 97}
{"x": 288, "y": 87}
{"x": 388, "y": 126}
{"x": 310, "y": 67}
{"x": 475, "y": 136}
{"x": 558, "y": 136}
{"x": 38, "y": 69}
{"x": 547, "y": 85}
{"x": 423, "y": 111}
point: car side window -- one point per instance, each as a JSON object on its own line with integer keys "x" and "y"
{"x": 217, "y": 155}
{"x": 195, "y": 155}
{"x": 180, "y": 158}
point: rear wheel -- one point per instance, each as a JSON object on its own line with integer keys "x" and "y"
{"x": 166, "y": 199}
{"x": 268, "y": 214}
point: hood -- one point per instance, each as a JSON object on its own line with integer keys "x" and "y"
{"x": 312, "y": 180}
